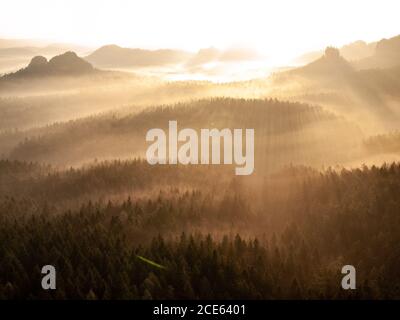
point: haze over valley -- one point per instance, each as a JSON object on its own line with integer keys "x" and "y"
{"x": 319, "y": 85}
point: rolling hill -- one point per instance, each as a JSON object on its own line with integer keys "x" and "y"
{"x": 285, "y": 133}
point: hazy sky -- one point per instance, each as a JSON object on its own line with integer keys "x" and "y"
{"x": 271, "y": 26}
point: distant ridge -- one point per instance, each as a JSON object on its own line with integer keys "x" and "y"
{"x": 387, "y": 55}
{"x": 113, "y": 56}
{"x": 353, "y": 51}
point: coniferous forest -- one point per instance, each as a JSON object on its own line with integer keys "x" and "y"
{"x": 162, "y": 151}
{"x": 285, "y": 242}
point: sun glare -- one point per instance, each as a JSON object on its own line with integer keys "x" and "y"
{"x": 278, "y": 29}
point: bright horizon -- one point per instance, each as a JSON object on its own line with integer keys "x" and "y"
{"x": 275, "y": 29}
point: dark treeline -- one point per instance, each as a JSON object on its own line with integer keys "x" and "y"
{"x": 383, "y": 143}
{"x": 297, "y": 229}
{"x": 45, "y": 183}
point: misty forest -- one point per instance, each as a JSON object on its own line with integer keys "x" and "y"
{"x": 76, "y": 191}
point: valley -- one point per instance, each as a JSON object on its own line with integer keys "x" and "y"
{"x": 100, "y": 166}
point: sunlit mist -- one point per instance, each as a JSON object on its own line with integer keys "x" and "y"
{"x": 279, "y": 30}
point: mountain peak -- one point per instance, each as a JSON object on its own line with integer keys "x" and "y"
{"x": 37, "y": 61}
{"x": 331, "y": 63}
{"x": 67, "y": 63}
{"x": 332, "y": 53}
